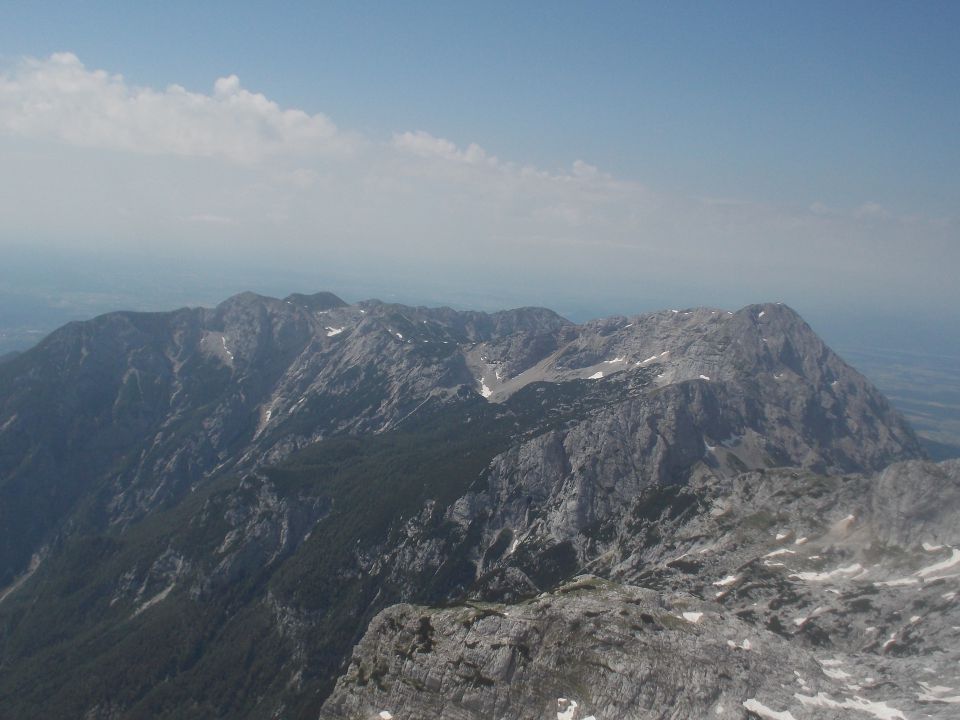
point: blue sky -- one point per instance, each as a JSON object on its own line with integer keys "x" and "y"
{"x": 790, "y": 102}
{"x": 646, "y": 153}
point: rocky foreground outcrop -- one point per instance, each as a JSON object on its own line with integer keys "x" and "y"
{"x": 787, "y": 595}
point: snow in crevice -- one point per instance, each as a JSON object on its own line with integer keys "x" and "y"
{"x": 596, "y": 376}
{"x": 333, "y": 331}
{"x": 159, "y": 597}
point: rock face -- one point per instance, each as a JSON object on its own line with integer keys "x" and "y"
{"x": 775, "y": 592}
{"x": 613, "y": 650}
{"x": 201, "y": 511}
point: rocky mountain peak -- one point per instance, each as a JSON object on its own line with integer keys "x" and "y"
{"x": 285, "y": 469}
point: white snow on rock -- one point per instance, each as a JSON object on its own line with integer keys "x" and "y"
{"x": 331, "y": 331}
{"x": 616, "y": 360}
{"x": 595, "y": 376}
{"x": 932, "y": 548}
{"x": 783, "y": 535}
{"x": 932, "y": 572}
{"x": 385, "y": 715}
{"x": 762, "y": 313}
{"x": 650, "y": 359}
{"x": 728, "y": 580}
{"x": 692, "y": 616}
{"x": 484, "y": 390}
{"x": 800, "y": 541}
{"x": 878, "y": 709}
{"x": 757, "y": 707}
{"x": 566, "y": 709}
{"x": 159, "y": 597}
{"x": 781, "y": 551}
{"x": 820, "y": 577}
{"x": 898, "y": 582}
{"x": 937, "y": 693}
{"x": 704, "y": 377}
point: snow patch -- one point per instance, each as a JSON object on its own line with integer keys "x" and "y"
{"x": 484, "y": 390}
{"x": 936, "y": 568}
{"x": 728, "y": 580}
{"x": 385, "y": 715}
{"x": 931, "y": 548}
{"x": 757, "y": 707}
{"x": 596, "y": 376}
{"x": 781, "y": 551}
{"x": 878, "y": 709}
{"x": 762, "y": 313}
{"x": 692, "y": 616}
{"x": 615, "y": 360}
{"x": 820, "y": 577}
{"x": 935, "y": 693}
{"x": 897, "y": 583}
{"x": 331, "y": 331}
{"x": 159, "y": 597}
{"x": 704, "y": 377}
{"x": 782, "y": 536}
{"x": 566, "y": 709}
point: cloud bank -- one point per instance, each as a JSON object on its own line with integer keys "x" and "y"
{"x": 91, "y": 160}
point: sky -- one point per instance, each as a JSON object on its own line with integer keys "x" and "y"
{"x": 603, "y": 157}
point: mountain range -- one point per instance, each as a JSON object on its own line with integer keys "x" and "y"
{"x": 304, "y": 508}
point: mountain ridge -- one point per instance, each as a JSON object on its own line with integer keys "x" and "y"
{"x": 298, "y": 465}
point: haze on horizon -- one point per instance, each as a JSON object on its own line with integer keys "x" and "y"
{"x": 610, "y": 158}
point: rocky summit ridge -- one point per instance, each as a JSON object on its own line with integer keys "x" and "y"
{"x": 202, "y": 511}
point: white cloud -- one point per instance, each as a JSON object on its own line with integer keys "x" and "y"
{"x": 87, "y": 157}
{"x": 426, "y": 145}
{"x": 59, "y": 98}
